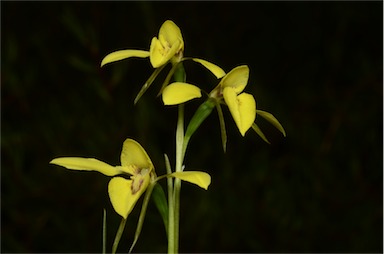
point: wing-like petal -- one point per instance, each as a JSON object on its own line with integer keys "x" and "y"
{"x": 242, "y": 108}
{"x": 237, "y": 78}
{"x": 179, "y": 92}
{"x": 123, "y": 54}
{"x": 199, "y": 178}
{"x": 216, "y": 70}
{"x": 87, "y": 164}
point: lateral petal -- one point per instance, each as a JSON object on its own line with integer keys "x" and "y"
{"x": 87, "y": 164}
{"x": 199, "y": 178}
{"x": 216, "y": 70}
{"x": 123, "y": 54}
{"x": 179, "y": 92}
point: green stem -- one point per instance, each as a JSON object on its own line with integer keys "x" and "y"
{"x": 174, "y": 194}
{"x": 171, "y": 210}
{"x": 180, "y": 138}
{"x": 179, "y": 165}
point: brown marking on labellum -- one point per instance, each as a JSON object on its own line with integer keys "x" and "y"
{"x": 138, "y": 179}
{"x": 136, "y": 185}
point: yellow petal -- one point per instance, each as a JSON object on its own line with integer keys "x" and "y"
{"x": 122, "y": 197}
{"x": 123, "y": 54}
{"x": 216, "y": 70}
{"x": 242, "y": 108}
{"x": 237, "y": 78}
{"x": 199, "y": 178}
{"x": 87, "y": 164}
{"x": 133, "y": 154}
{"x": 119, "y": 190}
{"x": 179, "y": 92}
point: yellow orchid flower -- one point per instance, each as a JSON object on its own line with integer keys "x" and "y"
{"x": 167, "y": 47}
{"x": 241, "y": 105}
{"x": 123, "y": 192}
{"x": 135, "y": 162}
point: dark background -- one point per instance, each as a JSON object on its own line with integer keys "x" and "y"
{"x": 317, "y": 66}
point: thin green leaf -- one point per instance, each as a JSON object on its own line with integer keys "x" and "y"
{"x": 104, "y": 231}
{"x": 222, "y": 127}
{"x": 118, "y": 235}
{"x": 81, "y": 64}
{"x": 216, "y": 70}
{"x": 171, "y": 227}
{"x": 148, "y": 83}
{"x": 74, "y": 26}
{"x": 160, "y": 200}
{"x": 202, "y": 112}
{"x": 142, "y": 214}
{"x": 169, "y": 181}
{"x": 270, "y": 118}
{"x": 259, "y": 132}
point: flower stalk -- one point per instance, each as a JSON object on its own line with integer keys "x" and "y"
{"x": 173, "y": 247}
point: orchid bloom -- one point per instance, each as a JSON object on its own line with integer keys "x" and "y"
{"x": 167, "y": 47}
{"x": 241, "y": 105}
{"x": 135, "y": 163}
